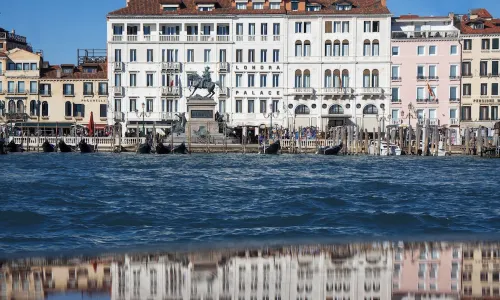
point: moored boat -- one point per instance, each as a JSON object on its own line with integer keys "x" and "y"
{"x": 2, "y": 147}
{"x": 48, "y": 147}
{"x": 274, "y": 148}
{"x": 144, "y": 148}
{"x": 385, "y": 149}
{"x": 86, "y": 148}
{"x": 330, "y": 150}
{"x": 13, "y": 147}
{"x": 63, "y": 147}
{"x": 181, "y": 149}
{"x": 162, "y": 149}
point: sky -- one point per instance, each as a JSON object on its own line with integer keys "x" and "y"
{"x": 60, "y": 27}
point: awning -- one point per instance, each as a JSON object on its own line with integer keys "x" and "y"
{"x": 42, "y": 125}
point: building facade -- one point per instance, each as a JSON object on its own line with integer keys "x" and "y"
{"x": 305, "y": 62}
{"x": 425, "y": 74}
{"x": 11, "y": 40}
{"x": 480, "y": 70}
{"x": 481, "y": 271}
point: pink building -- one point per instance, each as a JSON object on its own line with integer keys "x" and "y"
{"x": 427, "y": 271}
{"x": 426, "y": 56}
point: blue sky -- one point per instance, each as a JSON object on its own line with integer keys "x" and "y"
{"x": 60, "y": 27}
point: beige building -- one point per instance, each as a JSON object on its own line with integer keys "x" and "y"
{"x": 69, "y": 94}
{"x": 480, "y": 69}
{"x": 481, "y": 271}
{"x": 19, "y": 75}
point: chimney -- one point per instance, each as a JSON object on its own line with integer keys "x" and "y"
{"x": 383, "y": 2}
{"x": 13, "y": 31}
{"x": 58, "y": 73}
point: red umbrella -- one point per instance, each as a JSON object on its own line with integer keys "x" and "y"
{"x": 91, "y": 124}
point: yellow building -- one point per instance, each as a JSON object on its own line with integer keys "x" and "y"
{"x": 69, "y": 94}
{"x": 481, "y": 271}
{"x": 480, "y": 34}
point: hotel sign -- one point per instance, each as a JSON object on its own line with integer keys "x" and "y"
{"x": 257, "y": 92}
{"x": 95, "y": 100}
{"x": 257, "y": 68}
{"x": 486, "y": 101}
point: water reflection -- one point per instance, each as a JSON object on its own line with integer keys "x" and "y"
{"x": 375, "y": 271}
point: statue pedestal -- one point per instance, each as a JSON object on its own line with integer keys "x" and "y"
{"x": 201, "y": 112}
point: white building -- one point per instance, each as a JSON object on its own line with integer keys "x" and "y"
{"x": 316, "y": 63}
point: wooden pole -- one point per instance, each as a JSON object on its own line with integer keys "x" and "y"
{"x": 449, "y": 140}
{"x": 467, "y": 141}
{"x": 379, "y": 140}
{"x": 401, "y": 146}
{"x": 189, "y": 137}
{"x": 366, "y": 141}
{"x": 480, "y": 140}
{"x": 418, "y": 130}
{"x": 408, "y": 141}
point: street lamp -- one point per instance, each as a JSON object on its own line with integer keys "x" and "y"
{"x": 411, "y": 113}
{"x": 270, "y": 115}
{"x": 143, "y": 114}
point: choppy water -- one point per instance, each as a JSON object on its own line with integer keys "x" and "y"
{"x": 60, "y": 202}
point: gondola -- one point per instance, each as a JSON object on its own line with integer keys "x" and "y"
{"x": 48, "y": 147}
{"x": 330, "y": 150}
{"x": 162, "y": 149}
{"x": 85, "y": 148}
{"x": 13, "y": 147}
{"x": 144, "y": 148}
{"x": 274, "y": 148}
{"x": 63, "y": 147}
{"x": 181, "y": 149}
{"x": 2, "y": 147}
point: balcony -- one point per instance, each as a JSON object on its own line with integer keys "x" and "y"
{"x": 428, "y": 100}
{"x": 223, "y": 91}
{"x": 171, "y": 67}
{"x": 117, "y": 38}
{"x": 302, "y": 91}
{"x": 337, "y": 91}
{"x": 170, "y": 91}
{"x": 118, "y": 66}
{"x": 118, "y": 91}
{"x": 421, "y": 77}
{"x": 132, "y": 38}
{"x": 118, "y": 116}
{"x": 169, "y": 38}
{"x": 404, "y": 35}
{"x": 433, "y": 78}
{"x": 223, "y": 38}
{"x": 396, "y": 78}
{"x": 454, "y": 77}
{"x": 17, "y": 91}
{"x": 276, "y": 38}
{"x": 454, "y": 121}
{"x": 396, "y": 100}
{"x": 223, "y": 67}
{"x": 484, "y": 74}
{"x": 454, "y": 100}
{"x": 466, "y": 75}
{"x": 433, "y": 122}
{"x": 251, "y": 38}
{"x": 371, "y": 91}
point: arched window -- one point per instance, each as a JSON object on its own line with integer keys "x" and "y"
{"x": 33, "y": 108}
{"x": 298, "y": 78}
{"x": 336, "y": 48}
{"x": 375, "y": 81}
{"x": 45, "y": 109}
{"x": 20, "y": 107}
{"x": 307, "y": 48}
{"x": 298, "y": 48}
{"x": 335, "y": 110}
{"x": 336, "y": 78}
{"x": 328, "y": 78}
{"x": 2, "y": 108}
{"x": 12, "y": 107}
{"x": 345, "y": 78}
{"x": 366, "y": 78}
{"x": 307, "y": 79}
{"x": 67, "y": 109}
{"x": 366, "y": 48}
{"x": 328, "y": 48}
{"x": 302, "y": 110}
{"x": 345, "y": 48}
{"x": 370, "y": 109}
{"x": 375, "y": 48}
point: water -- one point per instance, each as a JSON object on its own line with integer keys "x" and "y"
{"x": 61, "y": 202}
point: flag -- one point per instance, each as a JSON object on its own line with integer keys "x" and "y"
{"x": 431, "y": 92}
{"x": 172, "y": 83}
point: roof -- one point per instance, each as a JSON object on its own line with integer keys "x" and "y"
{"x": 51, "y": 73}
{"x": 491, "y": 26}
{"x": 153, "y": 7}
{"x": 414, "y": 17}
{"x": 481, "y": 12}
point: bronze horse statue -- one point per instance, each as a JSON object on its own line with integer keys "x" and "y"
{"x": 200, "y": 83}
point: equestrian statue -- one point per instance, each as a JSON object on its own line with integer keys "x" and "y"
{"x": 203, "y": 82}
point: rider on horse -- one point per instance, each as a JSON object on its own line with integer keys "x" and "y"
{"x": 206, "y": 78}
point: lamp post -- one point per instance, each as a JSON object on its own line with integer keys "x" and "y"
{"x": 270, "y": 115}
{"x": 143, "y": 114}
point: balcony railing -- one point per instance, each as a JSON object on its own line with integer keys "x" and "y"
{"x": 118, "y": 66}
{"x": 206, "y": 38}
{"x": 191, "y": 38}
{"x": 169, "y": 38}
{"x": 117, "y": 38}
{"x": 17, "y": 91}
{"x": 337, "y": 91}
{"x": 396, "y": 100}
{"x": 433, "y": 77}
{"x": 427, "y": 100}
{"x": 467, "y": 75}
{"x": 171, "y": 66}
{"x": 223, "y": 66}
{"x": 33, "y": 91}
{"x": 223, "y": 38}
{"x": 425, "y": 34}
{"x": 421, "y": 77}
{"x": 132, "y": 38}
{"x": 454, "y": 121}
{"x": 371, "y": 91}
{"x": 118, "y": 91}
{"x": 302, "y": 90}
{"x": 170, "y": 91}
{"x": 251, "y": 38}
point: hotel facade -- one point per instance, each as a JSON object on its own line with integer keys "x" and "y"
{"x": 312, "y": 64}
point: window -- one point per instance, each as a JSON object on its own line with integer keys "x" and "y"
{"x": 149, "y": 79}
{"x": 485, "y": 44}
{"x": 367, "y": 26}
{"x": 453, "y": 93}
{"x": 307, "y": 48}
{"x": 68, "y": 90}
{"x": 239, "y": 55}
{"x": 34, "y": 67}
{"x": 395, "y": 95}
{"x": 133, "y": 80}
{"x": 466, "y": 69}
{"x": 421, "y": 50}
{"x": 307, "y": 27}
{"x": 302, "y": 110}
{"x": 241, "y": 6}
{"x": 295, "y": 5}
{"x": 251, "y": 29}
{"x": 263, "y": 80}
{"x": 466, "y": 114}
{"x": 274, "y": 5}
{"x": 375, "y": 48}
{"x": 432, "y": 50}
{"x": 453, "y": 50}
{"x": 263, "y": 55}
{"x": 20, "y": 87}
{"x": 276, "y": 55}
{"x": 328, "y": 27}
{"x": 376, "y": 26}
{"x": 432, "y": 287}
{"x": 395, "y": 51}
{"x": 370, "y": 109}
{"x": 239, "y": 106}
{"x": 150, "y": 55}
{"x": 263, "y": 29}
{"x": 366, "y": 48}
{"x": 258, "y": 6}
{"x": 466, "y": 89}
{"x": 345, "y": 26}
{"x": 495, "y": 44}
{"x": 494, "y": 67}
{"x": 467, "y": 44}
{"x": 453, "y": 71}
{"x": 494, "y": 89}
{"x": 276, "y": 28}
{"x": 420, "y": 93}
{"x": 298, "y": 48}
{"x": 132, "y": 105}
{"x": 395, "y": 72}
{"x": 494, "y": 116}
{"x": 250, "y": 106}
{"x": 67, "y": 109}
{"x": 313, "y": 7}
{"x": 298, "y": 27}
{"x": 276, "y": 80}
{"x": 432, "y": 72}
{"x": 484, "y": 89}
{"x": 133, "y": 55}
{"x": 483, "y": 68}
{"x": 206, "y": 55}
{"x": 251, "y": 80}
{"x": 222, "y": 106}
{"x": 190, "y": 55}
{"x": 484, "y": 275}
{"x": 79, "y": 110}
{"x": 345, "y": 48}
{"x": 149, "y": 105}
{"x": 239, "y": 78}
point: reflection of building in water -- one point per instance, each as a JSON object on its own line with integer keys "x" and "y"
{"x": 340, "y": 273}
{"x": 35, "y": 280}
{"x": 481, "y": 271}
{"x": 427, "y": 271}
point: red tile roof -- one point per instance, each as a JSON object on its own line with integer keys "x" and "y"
{"x": 481, "y": 12}
{"x": 490, "y": 26}
{"x": 51, "y": 73}
{"x": 413, "y": 17}
{"x": 153, "y": 7}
